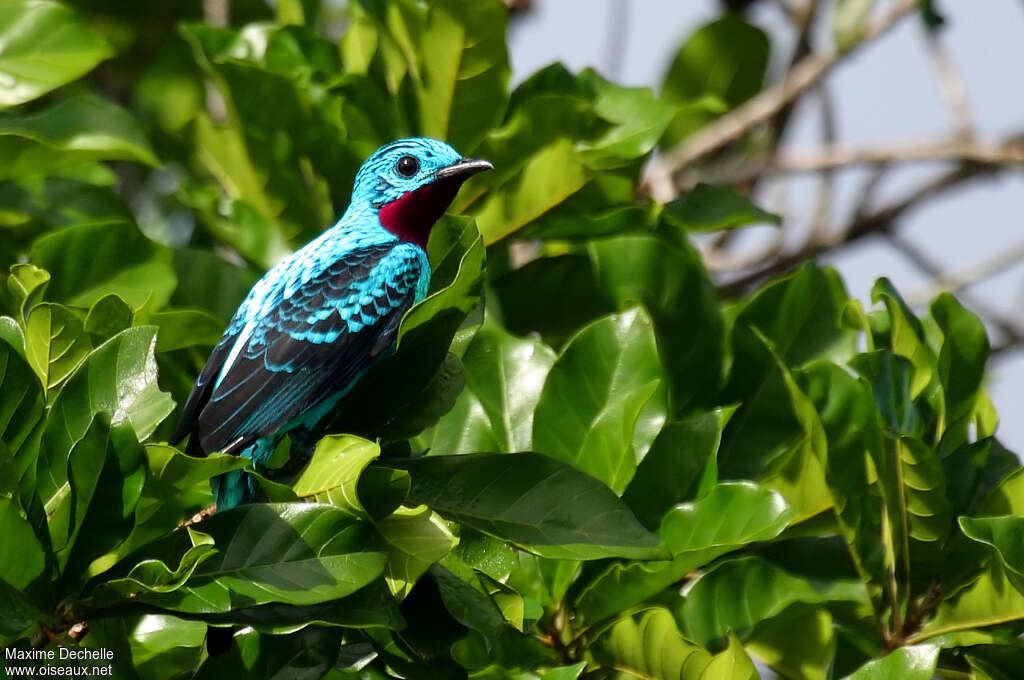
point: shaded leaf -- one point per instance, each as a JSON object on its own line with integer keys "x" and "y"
{"x": 532, "y": 500}
{"x": 46, "y": 46}
{"x": 708, "y": 207}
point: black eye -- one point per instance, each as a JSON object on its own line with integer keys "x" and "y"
{"x": 407, "y": 166}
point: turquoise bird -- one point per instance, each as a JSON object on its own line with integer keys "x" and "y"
{"x": 316, "y": 322}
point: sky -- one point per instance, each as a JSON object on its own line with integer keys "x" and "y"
{"x": 886, "y": 93}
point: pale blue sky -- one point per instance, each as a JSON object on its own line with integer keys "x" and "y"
{"x": 887, "y": 93}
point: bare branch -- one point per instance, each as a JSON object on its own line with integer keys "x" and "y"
{"x": 768, "y": 103}
{"x": 951, "y": 86}
{"x": 876, "y": 222}
{"x": 1010, "y": 152}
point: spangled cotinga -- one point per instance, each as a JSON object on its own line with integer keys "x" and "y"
{"x": 316, "y": 322}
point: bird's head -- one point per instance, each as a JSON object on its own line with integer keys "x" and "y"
{"x": 411, "y": 182}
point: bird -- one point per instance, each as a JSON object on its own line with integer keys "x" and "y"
{"x": 317, "y": 321}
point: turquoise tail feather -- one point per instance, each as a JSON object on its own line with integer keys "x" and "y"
{"x": 238, "y": 487}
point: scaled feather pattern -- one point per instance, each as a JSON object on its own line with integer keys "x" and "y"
{"x": 315, "y": 323}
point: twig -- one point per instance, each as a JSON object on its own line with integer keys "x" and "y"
{"x": 875, "y": 222}
{"x": 827, "y": 180}
{"x": 1010, "y": 152}
{"x": 768, "y": 103}
{"x": 951, "y": 86}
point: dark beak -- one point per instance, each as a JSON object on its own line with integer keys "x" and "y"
{"x": 463, "y": 169}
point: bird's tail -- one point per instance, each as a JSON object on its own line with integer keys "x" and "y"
{"x": 238, "y": 487}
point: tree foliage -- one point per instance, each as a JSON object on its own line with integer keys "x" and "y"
{"x": 581, "y": 462}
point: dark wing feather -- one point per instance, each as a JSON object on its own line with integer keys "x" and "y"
{"x": 313, "y": 344}
{"x": 201, "y": 392}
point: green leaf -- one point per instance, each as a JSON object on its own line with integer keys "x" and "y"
{"x": 991, "y": 599}
{"x": 636, "y": 121}
{"x": 776, "y": 434}
{"x": 45, "y": 45}
{"x": 416, "y": 539}
{"x": 333, "y": 473}
{"x": 849, "y": 417}
{"x": 462, "y": 71}
{"x": 652, "y": 647}
{"x": 26, "y": 284}
{"x": 668, "y": 278}
{"x": 181, "y": 328}
{"x": 91, "y": 261}
{"x": 22, "y": 404}
{"x": 107, "y": 317}
{"x": 532, "y": 500}
{"x": 1004, "y": 533}
{"x": 708, "y": 207}
{"x": 25, "y": 558}
{"x": 546, "y": 179}
{"x": 308, "y": 653}
{"x": 907, "y": 335}
{"x": 737, "y": 594}
{"x": 372, "y": 606}
{"x": 106, "y": 474}
{"x": 961, "y": 364}
{"x": 85, "y": 125}
{"x": 715, "y": 522}
{"x": 695, "y": 533}
{"x": 594, "y": 395}
{"x": 165, "y": 646}
{"x": 209, "y": 282}
{"x": 681, "y": 461}
{"x": 55, "y": 343}
{"x": 800, "y": 644}
{"x": 504, "y": 376}
{"x": 916, "y": 662}
{"x": 924, "y": 482}
{"x": 465, "y": 599}
{"x": 119, "y": 379}
{"x": 726, "y": 59}
{"x": 732, "y": 662}
{"x": 292, "y": 553}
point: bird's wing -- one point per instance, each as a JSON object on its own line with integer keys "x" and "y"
{"x": 312, "y": 344}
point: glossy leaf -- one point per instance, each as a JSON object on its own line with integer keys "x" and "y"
{"x": 48, "y": 45}
{"x": 591, "y": 427}
{"x": 504, "y": 377}
{"x": 726, "y": 59}
{"x": 680, "y": 463}
{"x": 333, "y": 473}
{"x": 708, "y": 523}
{"x": 55, "y": 343}
{"x": 87, "y": 126}
{"x": 90, "y": 261}
{"x": 532, "y": 500}
{"x": 907, "y": 663}
{"x": 22, "y": 402}
{"x": 1004, "y": 533}
{"x": 736, "y": 595}
{"x": 289, "y": 553}
{"x": 652, "y": 647}
{"x": 416, "y": 538}
{"x": 117, "y": 379}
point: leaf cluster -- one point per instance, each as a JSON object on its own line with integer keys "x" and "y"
{"x": 579, "y": 463}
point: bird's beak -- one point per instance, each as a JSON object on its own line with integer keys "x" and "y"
{"x": 463, "y": 169}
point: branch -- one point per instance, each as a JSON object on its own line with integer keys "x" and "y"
{"x": 1010, "y": 152}
{"x": 877, "y": 222}
{"x": 804, "y": 75}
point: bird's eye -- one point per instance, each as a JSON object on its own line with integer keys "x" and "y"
{"x": 407, "y": 166}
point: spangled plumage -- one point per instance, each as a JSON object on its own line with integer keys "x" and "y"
{"x": 313, "y": 325}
